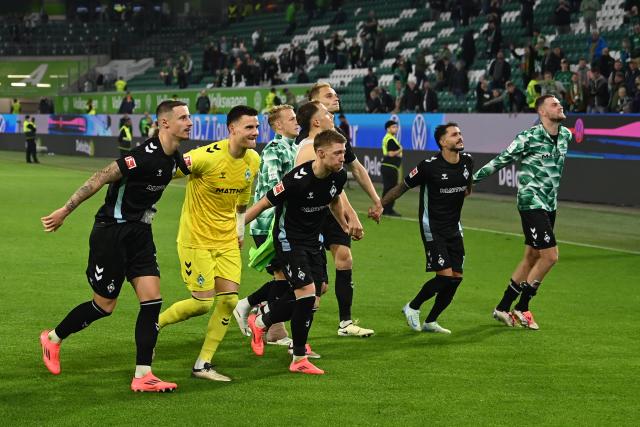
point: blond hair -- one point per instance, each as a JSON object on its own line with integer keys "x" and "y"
{"x": 274, "y": 112}
{"x": 315, "y": 89}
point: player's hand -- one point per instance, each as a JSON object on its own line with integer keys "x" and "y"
{"x": 240, "y": 243}
{"x": 375, "y": 211}
{"x": 54, "y": 220}
{"x": 355, "y": 229}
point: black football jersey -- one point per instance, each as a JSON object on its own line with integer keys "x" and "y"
{"x": 442, "y": 191}
{"x": 146, "y": 172}
{"x": 302, "y": 204}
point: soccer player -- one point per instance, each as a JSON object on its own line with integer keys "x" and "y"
{"x": 335, "y": 239}
{"x": 121, "y": 244}
{"x": 541, "y": 152}
{"x": 301, "y": 201}
{"x": 211, "y": 231}
{"x": 444, "y": 181}
{"x": 277, "y": 158}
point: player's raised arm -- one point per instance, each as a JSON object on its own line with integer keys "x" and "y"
{"x": 54, "y": 220}
{"x": 511, "y": 154}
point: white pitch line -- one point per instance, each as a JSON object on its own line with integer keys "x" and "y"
{"x": 507, "y": 233}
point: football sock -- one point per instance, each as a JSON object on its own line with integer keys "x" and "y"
{"x": 281, "y": 309}
{"x": 142, "y": 370}
{"x": 444, "y": 298}
{"x": 200, "y": 363}
{"x": 278, "y": 289}
{"x": 183, "y": 310}
{"x": 218, "y": 323}
{"x": 53, "y": 337}
{"x": 301, "y": 322}
{"x": 147, "y": 330}
{"x": 528, "y": 292}
{"x": 344, "y": 293}
{"x": 344, "y": 323}
{"x": 429, "y": 289}
{"x": 79, "y": 318}
{"x": 262, "y": 294}
{"x": 510, "y": 294}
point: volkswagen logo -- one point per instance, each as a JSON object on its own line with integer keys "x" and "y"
{"x": 419, "y": 133}
{"x": 396, "y": 119}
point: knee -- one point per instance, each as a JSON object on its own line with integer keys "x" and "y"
{"x": 551, "y": 257}
{"x": 105, "y": 304}
{"x": 343, "y": 259}
{"x": 204, "y": 305}
{"x": 227, "y": 301}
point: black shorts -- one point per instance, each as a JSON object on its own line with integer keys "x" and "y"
{"x": 445, "y": 252}
{"x": 537, "y": 226}
{"x": 333, "y": 234}
{"x": 303, "y": 266}
{"x": 275, "y": 264}
{"x": 117, "y": 251}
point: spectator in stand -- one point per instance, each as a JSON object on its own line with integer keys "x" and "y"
{"x": 299, "y": 57}
{"x": 257, "y": 40}
{"x": 369, "y": 82}
{"x": 203, "y": 104}
{"x": 632, "y": 17}
{"x": 468, "y": 49}
{"x": 188, "y": 67}
{"x": 166, "y": 73}
{"x": 562, "y": 17}
{"x": 354, "y": 53}
{"x": 576, "y": 95}
{"x": 630, "y": 77}
{"x": 515, "y": 100}
{"x": 340, "y": 17}
{"x": 549, "y": 86}
{"x": 444, "y": 71}
{"x": 370, "y": 27}
{"x": 620, "y": 102}
{"x": 410, "y": 101}
{"x": 635, "y": 104}
{"x": 421, "y": 65}
{"x": 583, "y": 72}
{"x": 483, "y": 95}
{"x": 429, "y": 98}
{"x": 303, "y": 77}
{"x": 290, "y": 98}
{"x": 285, "y": 61}
{"x": 598, "y": 92}
{"x": 290, "y": 18}
{"x": 207, "y": 59}
{"x": 494, "y": 12}
{"x": 616, "y": 83}
{"x": 553, "y": 62}
{"x": 344, "y": 127}
{"x": 374, "y": 104}
{"x": 437, "y": 7}
{"x": 460, "y": 81}
{"x": 388, "y": 104}
{"x": 396, "y": 91}
{"x": 589, "y": 9}
{"x": 145, "y": 124}
{"x": 534, "y": 90}
{"x": 499, "y": 71}
{"x": 225, "y": 79}
{"x": 564, "y": 74}
{"x": 617, "y": 68}
{"x": 45, "y": 106}
{"x": 495, "y": 103}
{"x": 606, "y": 63}
{"x": 127, "y": 105}
{"x": 634, "y": 39}
{"x": 322, "y": 51}
{"x": 493, "y": 36}
{"x": 120, "y": 85}
{"x": 595, "y": 45}
{"x": 526, "y": 15}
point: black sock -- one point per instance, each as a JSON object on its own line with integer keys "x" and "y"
{"x": 301, "y": 322}
{"x": 281, "y": 309}
{"x": 429, "y": 289}
{"x": 79, "y": 318}
{"x": 262, "y": 294}
{"x": 444, "y": 298}
{"x": 528, "y": 292}
{"x": 510, "y": 295}
{"x": 279, "y": 288}
{"x": 147, "y": 330}
{"x": 344, "y": 293}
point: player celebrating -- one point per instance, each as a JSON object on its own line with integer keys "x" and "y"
{"x": 444, "y": 181}
{"x": 121, "y": 243}
{"x": 336, "y": 240}
{"x": 541, "y": 151}
{"x": 301, "y": 199}
{"x": 212, "y": 231}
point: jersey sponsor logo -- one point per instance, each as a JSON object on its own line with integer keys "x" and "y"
{"x": 228, "y": 190}
{"x": 130, "y": 162}
{"x": 156, "y": 187}
{"x": 187, "y": 161}
{"x": 413, "y": 173}
{"x": 150, "y": 148}
{"x": 419, "y": 133}
{"x": 279, "y": 188}
{"x": 299, "y": 174}
{"x": 312, "y": 209}
{"x": 453, "y": 190}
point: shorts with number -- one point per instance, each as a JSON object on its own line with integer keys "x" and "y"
{"x": 537, "y": 226}
{"x": 117, "y": 251}
{"x": 200, "y": 267}
{"x": 304, "y": 266}
{"x": 445, "y": 252}
{"x": 333, "y": 234}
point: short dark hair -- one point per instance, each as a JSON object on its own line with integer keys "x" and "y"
{"x": 328, "y": 137}
{"x": 441, "y": 131}
{"x": 540, "y": 100}
{"x": 389, "y": 124}
{"x": 305, "y": 113}
{"x": 238, "y": 111}
{"x": 167, "y": 106}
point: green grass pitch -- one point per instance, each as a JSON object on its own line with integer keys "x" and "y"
{"x": 581, "y": 368}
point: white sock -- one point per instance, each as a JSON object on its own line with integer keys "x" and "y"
{"x": 200, "y": 364}
{"x": 142, "y": 370}
{"x": 259, "y": 322}
{"x": 298, "y": 358}
{"x": 53, "y": 337}
{"x": 345, "y": 323}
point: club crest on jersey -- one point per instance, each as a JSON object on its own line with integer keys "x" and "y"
{"x": 333, "y": 190}
{"x": 440, "y": 260}
{"x": 413, "y": 173}
{"x": 465, "y": 173}
{"x": 279, "y": 188}
{"x": 187, "y": 161}
{"x": 130, "y": 162}
{"x": 200, "y": 280}
{"x": 247, "y": 174}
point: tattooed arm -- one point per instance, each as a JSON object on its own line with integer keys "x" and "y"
{"x": 54, "y": 220}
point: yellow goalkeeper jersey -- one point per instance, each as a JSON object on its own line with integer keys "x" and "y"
{"x": 217, "y": 184}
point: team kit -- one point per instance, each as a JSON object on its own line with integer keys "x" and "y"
{"x": 299, "y": 215}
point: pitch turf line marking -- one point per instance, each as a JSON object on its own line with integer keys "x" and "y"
{"x": 508, "y": 233}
